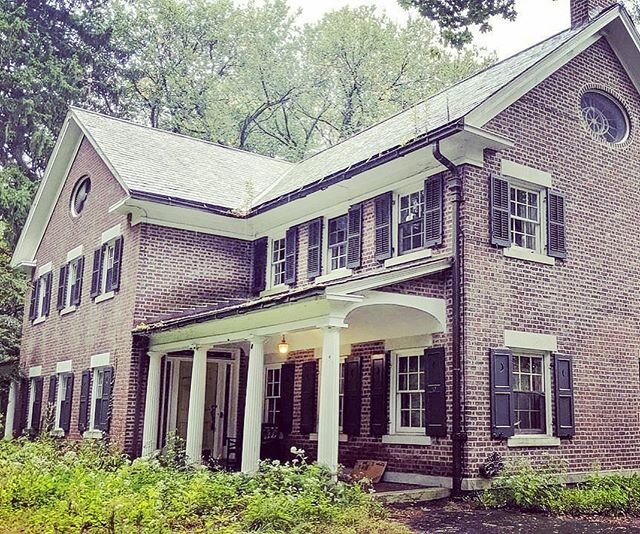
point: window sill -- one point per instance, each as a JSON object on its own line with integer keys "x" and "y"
{"x": 533, "y": 440}
{"x": 93, "y": 434}
{"x": 334, "y": 275}
{"x": 521, "y": 253}
{"x": 406, "y": 258}
{"x": 67, "y": 310}
{"x": 342, "y": 438}
{"x": 57, "y": 433}
{"x": 275, "y": 290}
{"x": 104, "y": 296}
{"x": 406, "y": 439}
{"x": 39, "y": 320}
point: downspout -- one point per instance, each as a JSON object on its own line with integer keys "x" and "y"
{"x": 458, "y": 434}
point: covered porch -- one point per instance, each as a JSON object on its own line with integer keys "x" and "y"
{"x": 207, "y": 376}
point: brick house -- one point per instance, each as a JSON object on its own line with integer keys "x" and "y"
{"x": 181, "y": 286}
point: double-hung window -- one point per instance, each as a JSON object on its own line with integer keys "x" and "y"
{"x": 529, "y": 390}
{"x": 272, "y": 395}
{"x": 524, "y": 207}
{"x": 41, "y": 294}
{"x": 411, "y": 222}
{"x": 107, "y": 265}
{"x": 337, "y": 239}
{"x": 409, "y": 393}
{"x": 278, "y": 255}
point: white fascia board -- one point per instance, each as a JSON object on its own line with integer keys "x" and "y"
{"x": 58, "y": 167}
{"x": 624, "y": 39}
{"x": 531, "y": 77}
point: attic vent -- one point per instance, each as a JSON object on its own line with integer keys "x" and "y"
{"x": 79, "y": 196}
{"x": 604, "y": 116}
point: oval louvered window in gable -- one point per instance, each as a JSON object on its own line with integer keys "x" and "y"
{"x": 79, "y": 196}
{"x": 604, "y": 116}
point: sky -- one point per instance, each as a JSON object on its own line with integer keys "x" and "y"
{"x": 537, "y": 19}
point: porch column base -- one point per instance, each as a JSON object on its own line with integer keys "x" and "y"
{"x": 195, "y": 419}
{"x": 328, "y": 424}
{"x": 11, "y": 410}
{"x": 252, "y": 431}
{"x": 152, "y": 405}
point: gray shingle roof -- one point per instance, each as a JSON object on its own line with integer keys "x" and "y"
{"x": 446, "y": 106}
{"x": 170, "y": 165}
{"x": 167, "y": 164}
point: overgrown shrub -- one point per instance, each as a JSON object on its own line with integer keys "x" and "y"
{"x": 48, "y": 486}
{"x": 541, "y": 489}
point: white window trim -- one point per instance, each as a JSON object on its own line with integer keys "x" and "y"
{"x": 326, "y": 259}
{"x": 68, "y": 307}
{"x": 104, "y": 296}
{"x": 111, "y": 234}
{"x": 100, "y": 360}
{"x": 74, "y": 254}
{"x": 35, "y": 371}
{"x": 410, "y": 256}
{"x": 32, "y": 400}
{"x": 92, "y": 431}
{"x": 406, "y": 439}
{"x": 394, "y": 424}
{"x": 108, "y": 247}
{"x": 529, "y": 179}
{"x": 264, "y": 396}
{"x": 57, "y": 430}
{"x": 336, "y": 274}
{"x": 42, "y": 295}
{"x": 538, "y": 440}
{"x": 272, "y": 289}
{"x": 46, "y": 268}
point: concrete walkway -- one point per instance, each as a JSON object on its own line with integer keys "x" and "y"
{"x": 457, "y": 518}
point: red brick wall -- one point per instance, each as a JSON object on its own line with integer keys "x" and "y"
{"x": 589, "y": 301}
{"x": 181, "y": 269}
{"x": 92, "y": 328}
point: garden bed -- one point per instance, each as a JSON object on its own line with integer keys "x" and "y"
{"x": 62, "y": 487}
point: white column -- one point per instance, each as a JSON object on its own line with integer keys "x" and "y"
{"x": 152, "y": 405}
{"x": 252, "y": 431}
{"x": 328, "y": 424}
{"x": 195, "y": 421}
{"x": 11, "y": 410}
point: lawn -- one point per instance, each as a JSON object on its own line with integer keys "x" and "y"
{"x": 49, "y": 486}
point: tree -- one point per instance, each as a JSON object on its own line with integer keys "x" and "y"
{"x": 456, "y": 16}
{"x": 12, "y": 288}
{"x": 52, "y": 53}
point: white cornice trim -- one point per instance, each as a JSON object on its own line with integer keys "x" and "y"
{"x": 531, "y": 77}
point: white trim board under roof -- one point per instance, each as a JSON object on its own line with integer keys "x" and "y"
{"x": 135, "y": 153}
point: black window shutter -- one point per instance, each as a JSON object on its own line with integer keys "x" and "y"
{"x": 23, "y": 405}
{"x": 96, "y": 272}
{"x": 291, "y": 255}
{"x": 65, "y": 405}
{"x": 352, "y": 401}
{"x": 85, "y": 394}
{"x": 499, "y": 207}
{"x": 260, "y": 265}
{"x": 383, "y": 248}
{"x": 36, "y": 409}
{"x": 53, "y": 387}
{"x": 314, "y": 248}
{"x": 105, "y": 409}
{"x": 46, "y": 303}
{"x": 287, "y": 374}
{"x": 502, "y": 406}
{"x": 563, "y": 385}
{"x": 433, "y": 211}
{"x": 33, "y": 309}
{"x": 308, "y": 397}
{"x": 379, "y": 389}
{"x": 556, "y": 240}
{"x": 76, "y": 290}
{"x": 62, "y": 287}
{"x": 117, "y": 264}
{"x": 435, "y": 399}
{"x": 354, "y": 236}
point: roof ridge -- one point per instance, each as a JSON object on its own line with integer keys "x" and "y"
{"x": 189, "y": 137}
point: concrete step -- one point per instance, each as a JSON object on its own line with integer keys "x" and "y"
{"x": 412, "y": 495}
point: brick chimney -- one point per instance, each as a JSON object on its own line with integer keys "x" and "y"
{"x": 582, "y": 11}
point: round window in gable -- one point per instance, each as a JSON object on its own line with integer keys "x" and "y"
{"x": 604, "y": 116}
{"x": 79, "y": 196}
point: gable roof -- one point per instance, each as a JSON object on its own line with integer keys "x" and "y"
{"x": 169, "y": 168}
{"x": 167, "y": 165}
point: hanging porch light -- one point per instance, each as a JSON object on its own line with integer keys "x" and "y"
{"x": 283, "y": 346}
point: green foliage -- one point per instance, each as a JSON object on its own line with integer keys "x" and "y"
{"x": 64, "y": 487}
{"x": 455, "y": 17}
{"x": 524, "y": 487}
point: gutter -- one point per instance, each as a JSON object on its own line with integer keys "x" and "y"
{"x": 458, "y": 431}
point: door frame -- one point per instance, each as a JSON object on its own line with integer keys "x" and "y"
{"x": 233, "y": 365}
